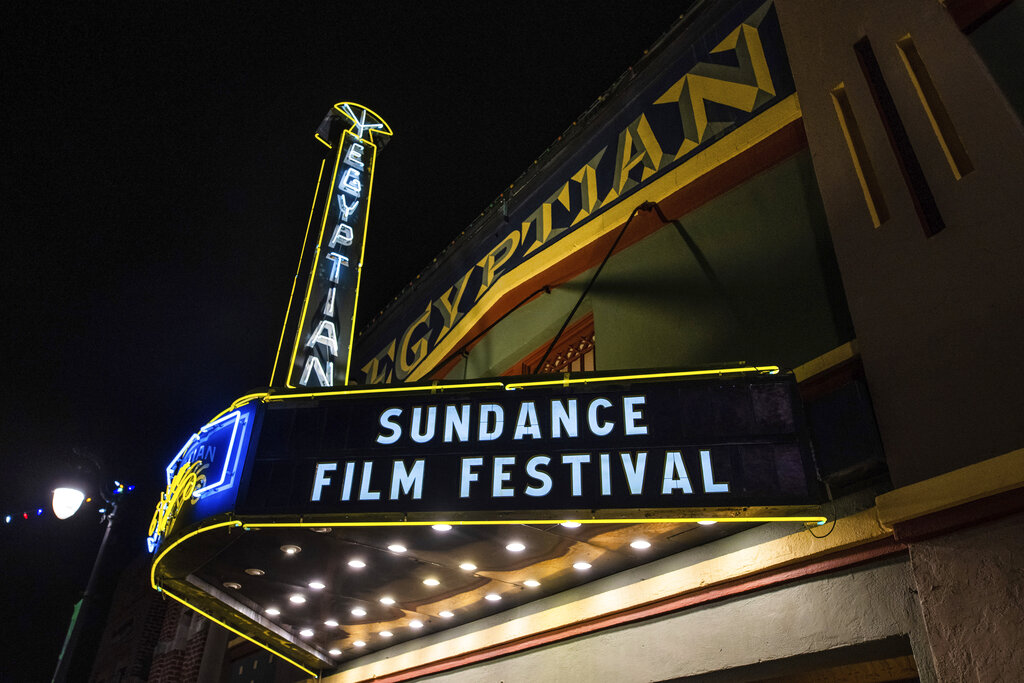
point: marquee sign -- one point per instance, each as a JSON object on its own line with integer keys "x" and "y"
{"x": 612, "y": 445}
{"x": 727, "y": 75}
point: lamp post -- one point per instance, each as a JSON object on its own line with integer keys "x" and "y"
{"x": 66, "y": 501}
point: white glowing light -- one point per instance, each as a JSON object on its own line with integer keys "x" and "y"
{"x": 358, "y": 643}
{"x": 386, "y": 634}
{"x": 306, "y": 633}
{"x": 358, "y": 612}
{"x": 640, "y": 544}
{"x": 297, "y": 598}
{"x": 431, "y": 582}
{"x": 571, "y": 525}
{"x": 331, "y": 623}
{"x": 445, "y": 614}
{"x": 66, "y": 502}
{"x": 317, "y": 585}
{"x": 493, "y": 597}
{"x": 707, "y": 522}
{"x": 442, "y": 527}
{"x": 334, "y": 652}
{"x": 467, "y": 566}
{"x": 415, "y": 623}
{"x": 515, "y": 547}
{"x": 582, "y": 566}
{"x": 356, "y": 564}
{"x": 291, "y": 549}
{"x": 397, "y": 548}
{"x": 272, "y": 611}
{"x": 387, "y": 600}
{"x": 531, "y": 583}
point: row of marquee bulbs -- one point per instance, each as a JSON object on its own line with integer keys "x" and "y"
{"x": 515, "y": 546}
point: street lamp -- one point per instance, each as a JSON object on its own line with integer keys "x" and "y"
{"x": 67, "y": 499}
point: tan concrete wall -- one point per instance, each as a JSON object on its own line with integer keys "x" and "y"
{"x": 971, "y": 588}
{"x": 940, "y": 320}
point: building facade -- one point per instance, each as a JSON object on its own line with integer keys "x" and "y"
{"x": 828, "y": 188}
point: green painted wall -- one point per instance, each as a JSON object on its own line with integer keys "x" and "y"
{"x": 770, "y": 292}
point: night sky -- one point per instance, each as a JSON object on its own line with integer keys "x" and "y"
{"x": 158, "y": 165}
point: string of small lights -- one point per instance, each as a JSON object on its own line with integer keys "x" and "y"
{"x": 45, "y": 511}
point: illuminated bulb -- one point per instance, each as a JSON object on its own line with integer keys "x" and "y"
{"x": 297, "y": 599}
{"x": 358, "y": 643}
{"x": 306, "y": 633}
{"x": 415, "y": 623}
{"x": 321, "y": 530}
{"x": 331, "y": 623}
{"x": 515, "y": 547}
{"x": 446, "y": 614}
{"x": 255, "y": 572}
{"x": 387, "y": 600}
{"x": 272, "y": 611}
{"x": 397, "y": 548}
{"x": 334, "y": 652}
{"x": 442, "y": 527}
{"x": 571, "y": 525}
{"x": 317, "y": 585}
{"x": 707, "y": 522}
{"x": 386, "y": 634}
{"x": 581, "y": 566}
{"x": 467, "y": 566}
{"x": 291, "y": 549}
{"x": 358, "y": 612}
{"x": 356, "y": 564}
{"x": 531, "y": 583}
{"x": 431, "y": 582}
{"x": 66, "y": 502}
{"x": 493, "y": 597}
{"x": 640, "y": 544}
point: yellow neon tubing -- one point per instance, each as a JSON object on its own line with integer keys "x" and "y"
{"x": 553, "y": 520}
{"x": 387, "y": 390}
{"x": 312, "y": 273}
{"x": 238, "y": 633}
{"x": 769, "y": 369}
{"x": 298, "y": 271}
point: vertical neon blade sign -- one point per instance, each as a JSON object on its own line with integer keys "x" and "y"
{"x": 323, "y": 345}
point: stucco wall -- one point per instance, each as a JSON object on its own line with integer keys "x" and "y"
{"x": 855, "y": 606}
{"x": 971, "y": 587}
{"x": 939, "y": 319}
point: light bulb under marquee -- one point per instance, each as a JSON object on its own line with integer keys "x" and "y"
{"x": 431, "y": 582}
{"x": 297, "y": 599}
{"x": 387, "y": 600}
{"x": 415, "y": 623}
{"x": 253, "y": 571}
{"x": 515, "y": 547}
{"x": 306, "y": 633}
{"x": 397, "y": 548}
{"x": 386, "y": 634}
{"x": 331, "y": 623}
{"x": 707, "y": 522}
{"x": 467, "y": 566}
{"x": 531, "y": 583}
{"x": 445, "y": 614}
{"x": 272, "y": 611}
{"x": 640, "y": 544}
{"x": 356, "y": 564}
{"x": 358, "y": 643}
{"x": 581, "y": 566}
{"x": 291, "y": 549}
{"x": 358, "y": 612}
{"x": 317, "y": 585}
{"x": 334, "y": 652}
{"x": 442, "y": 527}
{"x": 572, "y": 525}
{"x": 492, "y": 597}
